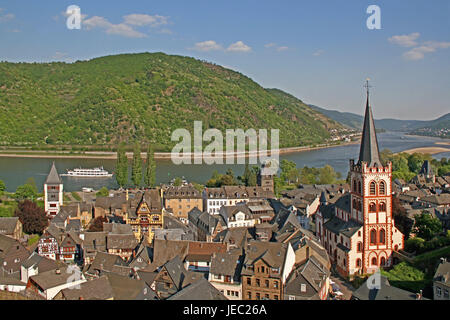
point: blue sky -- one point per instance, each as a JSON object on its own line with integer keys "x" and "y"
{"x": 319, "y": 51}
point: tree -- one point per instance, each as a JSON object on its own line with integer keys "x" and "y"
{"x": 31, "y": 216}
{"x": 103, "y": 192}
{"x": 253, "y": 177}
{"x": 25, "y": 191}
{"x": 401, "y": 220}
{"x": 289, "y": 172}
{"x": 246, "y": 176}
{"x": 136, "y": 170}
{"x": 149, "y": 176}
{"x": 122, "y": 167}
{"x": 32, "y": 183}
{"x": 426, "y": 227}
{"x": 97, "y": 224}
{"x": 327, "y": 175}
{"x": 2, "y": 187}
{"x": 177, "y": 182}
{"x": 228, "y": 178}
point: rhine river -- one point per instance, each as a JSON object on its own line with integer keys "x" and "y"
{"x": 15, "y": 171}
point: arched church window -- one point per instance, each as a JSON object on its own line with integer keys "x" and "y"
{"x": 382, "y": 261}
{"x": 382, "y": 188}
{"x": 374, "y": 261}
{"x": 373, "y": 188}
{"x": 382, "y": 237}
{"x": 372, "y": 207}
{"x": 373, "y": 236}
{"x": 382, "y": 207}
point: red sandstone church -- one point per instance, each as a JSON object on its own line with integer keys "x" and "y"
{"x": 358, "y": 231}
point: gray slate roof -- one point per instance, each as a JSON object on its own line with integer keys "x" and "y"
{"x": 199, "y": 290}
{"x": 369, "y": 144}
{"x": 53, "y": 177}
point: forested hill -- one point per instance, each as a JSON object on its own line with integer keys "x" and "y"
{"x": 143, "y": 97}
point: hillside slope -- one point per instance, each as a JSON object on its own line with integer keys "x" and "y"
{"x": 354, "y": 121}
{"x": 143, "y": 97}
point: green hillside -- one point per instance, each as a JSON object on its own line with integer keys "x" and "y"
{"x": 142, "y": 97}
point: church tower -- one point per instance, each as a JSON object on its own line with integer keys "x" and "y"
{"x": 53, "y": 192}
{"x": 371, "y": 201}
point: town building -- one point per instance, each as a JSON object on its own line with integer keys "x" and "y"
{"x": 145, "y": 214}
{"x": 441, "y": 281}
{"x": 53, "y": 192}
{"x": 12, "y": 227}
{"x": 225, "y": 273}
{"x": 265, "y": 270}
{"x": 180, "y": 200}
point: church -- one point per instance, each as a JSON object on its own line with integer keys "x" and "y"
{"x": 358, "y": 231}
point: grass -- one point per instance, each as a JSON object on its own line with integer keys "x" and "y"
{"x": 33, "y": 239}
{"x": 7, "y": 208}
{"x": 76, "y": 196}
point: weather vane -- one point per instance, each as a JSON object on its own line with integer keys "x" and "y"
{"x": 367, "y": 86}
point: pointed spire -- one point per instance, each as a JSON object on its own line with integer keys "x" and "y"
{"x": 369, "y": 144}
{"x": 53, "y": 176}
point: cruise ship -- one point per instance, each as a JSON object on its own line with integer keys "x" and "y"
{"x": 89, "y": 173}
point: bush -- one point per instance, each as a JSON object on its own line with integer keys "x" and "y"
{"x": 415, "y": 244}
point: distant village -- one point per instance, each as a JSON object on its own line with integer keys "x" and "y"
{"x": 230, "y": 242}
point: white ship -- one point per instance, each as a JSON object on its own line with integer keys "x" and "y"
{"x": 89, "y": 173}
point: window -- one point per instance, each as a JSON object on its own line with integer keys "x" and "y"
{"x": 267, "y": 296}
{"x": 372, "y": 207}
{"x": 382, "y": 237}
{"x": 438, "y": 291}
{"x": 446, "y": 293}
{"x": 303, "y": 287}
{"x": 275, "y": 297}
{"x": 374, "y": 261}
{"x": 249, "y": 295}
{"x": 257, "y": 282}
{"x": 258, "y": 296}
{"x": 373, "y": 188}
{"x": 382, "y": 188}
{"x": 382, "y": 261}
{"x": 354, "y": 186}
{"x": 382, "y": 207}
{"x": 373, "y": 236}
{"x": 275, "y": 284}
{"x": 358, "y": 263}
{"x": 359, "y": 187}
{"x": 267, "y": 283}
{"x": 359, "y": 247}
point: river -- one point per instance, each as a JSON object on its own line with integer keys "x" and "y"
{"x": 15, "y": 171}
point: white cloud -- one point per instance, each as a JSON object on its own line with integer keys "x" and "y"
{"x": 209, "y": 45}
{"x": 407, "y": 40}
{"x": 121, "y": 29}
{"x": 318, "y": 53}
{"x": 270, "y": 45}
{"x": 284, "y": 48}
{"x": 419, "y": 52}
{"x": 419, "y": 49}
{"x": 239, "y": 46}
{"x": 145, "y": 20}
{"x": 6, "y": 17}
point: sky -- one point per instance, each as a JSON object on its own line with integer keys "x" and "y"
{"x": 320, "y": 51}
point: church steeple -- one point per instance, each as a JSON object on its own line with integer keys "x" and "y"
{"x": 369, "y": 144}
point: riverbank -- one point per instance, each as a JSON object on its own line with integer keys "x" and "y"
{"x": 431, "y": 150}
{"x": 105, "y": 155}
